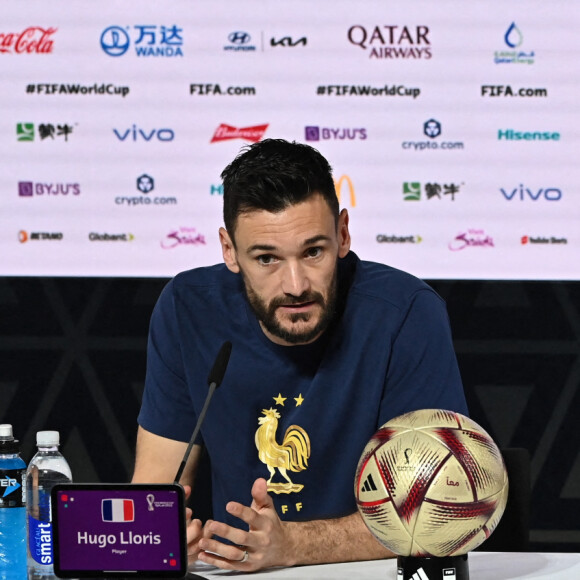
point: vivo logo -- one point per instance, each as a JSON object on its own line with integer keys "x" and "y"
{"x": 135, "y": 134}
{"x": 522, "y": 193}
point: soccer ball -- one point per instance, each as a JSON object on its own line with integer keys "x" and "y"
{"x": 431, "y": 483}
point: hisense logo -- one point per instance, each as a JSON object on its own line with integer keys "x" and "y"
{"x": 511, "y": 135}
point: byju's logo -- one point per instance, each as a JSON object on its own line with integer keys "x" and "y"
{"x": 513, "y": 38}
{"x": 25, "y": 132}
{"x": 240, "y": 41}
{"x": 30, "y": 189}
{"x": 145, "y": 183}
{"x": 432, "y": 128}
{"x": 522, "y": 193}
{"x": 392, "y": 41}
{"x": 326, "y": 133}
{"x": 148, "y": 40}
{"x": 135, "y": 133}
{"x": 412, "y": 190}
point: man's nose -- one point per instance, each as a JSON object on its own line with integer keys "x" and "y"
{"x": 295, "y": 281}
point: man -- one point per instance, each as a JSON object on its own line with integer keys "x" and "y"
{"x": 326, "y": 348}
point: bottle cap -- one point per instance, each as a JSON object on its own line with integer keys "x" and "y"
{"x": 47, "y": 438}
{"x": 6, "y": 432}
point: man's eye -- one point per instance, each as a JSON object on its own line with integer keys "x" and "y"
{"x": 265, "y": 259}
{"x": 313, "y": 252}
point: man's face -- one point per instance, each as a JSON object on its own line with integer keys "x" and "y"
{"x": 288, "y": 261}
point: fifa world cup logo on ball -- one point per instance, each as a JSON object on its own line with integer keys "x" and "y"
{"x": 431, "y": 484}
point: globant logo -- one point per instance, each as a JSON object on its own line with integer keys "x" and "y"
{"x": 183, "y": 237}
{"x": 25, "y": 132}
{"x": 432, "y": 129}
{"x": 226, "y": 132}
{"x": 413, "y": 190}
{"x": 148, "y": 40}
{"x": 326, "y": 133}
{"x": 511, "y": 135}
{"x": 135, "y": 133}
{"x": 392, "y": 239}
{"x": 392, "y": 41}
{"x": 513, "y": 39}
{"x": 24, "y": 236}
{"x": 240, "y": 41}
{"x": 97, "y": 237}
{"x": 30, "y": 189}
{"x": 472, "y": 238}
{"x": 33, "y": 40}
{"x": 522, "y": 193}
{"x": 542, "y": 240}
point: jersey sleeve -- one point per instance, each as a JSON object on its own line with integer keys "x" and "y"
{"x": 166, "y": 409}
{"x": 423, "y": 371}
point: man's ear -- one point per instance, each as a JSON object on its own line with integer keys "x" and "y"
{"x": 343, "y": 234}
{"x": 229, "y": 251}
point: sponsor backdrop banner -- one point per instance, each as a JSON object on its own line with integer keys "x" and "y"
{"x": 452, "y": 129}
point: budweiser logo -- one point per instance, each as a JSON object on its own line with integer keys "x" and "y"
{"x": 253, "y": 134}
{"x": 33, "y": 39}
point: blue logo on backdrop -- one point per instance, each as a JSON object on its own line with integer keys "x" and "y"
{"x": 523, "y": 193}
{"x": 432, "y": 128}
{"x": 148, "y": 40}
{"x": 115, "y": 41}
{"x": 135, "y": 133}
{"x": 239, "y": 40}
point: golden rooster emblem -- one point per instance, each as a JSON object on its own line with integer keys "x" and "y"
{"x": 292, "y": 454}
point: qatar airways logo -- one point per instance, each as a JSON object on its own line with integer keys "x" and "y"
{"x": 225, "y": 132}
{"x": 33, "y": 39}
{"x": 392, "y": 41}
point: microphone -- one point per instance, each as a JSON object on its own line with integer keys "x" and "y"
{"x": 214, "y": 380}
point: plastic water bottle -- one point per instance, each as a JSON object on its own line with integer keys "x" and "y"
{"x": 47, "y": 468}
{"x": 12, "y": 508}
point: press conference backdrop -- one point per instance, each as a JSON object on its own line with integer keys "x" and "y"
{"x": 452, "y": 129}
{"x": 450, "y": 126}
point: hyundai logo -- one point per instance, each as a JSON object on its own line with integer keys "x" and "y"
{"x": 239, "y": 37}
{"x": 115, "y": 41}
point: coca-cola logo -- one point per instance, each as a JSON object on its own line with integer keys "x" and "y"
{"x": 34, "y": 39}
{"x": 252, "y": 134}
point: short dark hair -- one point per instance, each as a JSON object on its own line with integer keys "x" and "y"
{"x": 272, "y": 175}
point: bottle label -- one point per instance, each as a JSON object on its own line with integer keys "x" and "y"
{"x": 40, "y": 541}
{"x": 11, "y": 489}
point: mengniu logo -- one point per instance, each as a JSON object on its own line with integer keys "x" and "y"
{"x": 326, "y": 133}
{"x": 135, "y": 133}
{"x": 226, "y": 132}
{"x": 147, "y": 39}
{"x": 514, "y": 39}
{"x": 392, "y": 41}
{"x": 412, "y": 190}
{"x": 25, "y": 132}
{"x": 522, "y": 193}
{"x": 339, "y": 184}
{"x": 32, "y": 40}
{"x": 472, "y": 238}
{"x": 31, "y": 189}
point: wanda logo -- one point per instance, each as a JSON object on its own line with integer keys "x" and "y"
{"x": 34, "y": 39}
{"x": 252, "y": 134}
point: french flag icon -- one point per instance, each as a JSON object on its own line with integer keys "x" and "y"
{"x": 118, "y": 510}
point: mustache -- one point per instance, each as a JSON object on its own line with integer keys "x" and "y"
{"x": 290, "y": 300}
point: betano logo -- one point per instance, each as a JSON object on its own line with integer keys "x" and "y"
{"x": 338, "y": 184}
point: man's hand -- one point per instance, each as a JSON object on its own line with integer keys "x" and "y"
{"x": 266, "y": 543}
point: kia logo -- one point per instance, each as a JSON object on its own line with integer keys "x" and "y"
{"x": 239, "y": 37}
{"x": 115, "y": 41}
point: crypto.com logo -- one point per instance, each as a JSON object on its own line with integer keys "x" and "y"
{"x": 115, "y": 41}
{"x": 338, "y": 185}
{"x": 145, "y": 183}
{"x": 432, "y": 128}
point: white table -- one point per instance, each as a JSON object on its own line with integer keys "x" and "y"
{"x": 482, "y": 566}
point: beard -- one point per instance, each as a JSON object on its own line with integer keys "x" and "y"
{"x": 266, "y": 312}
